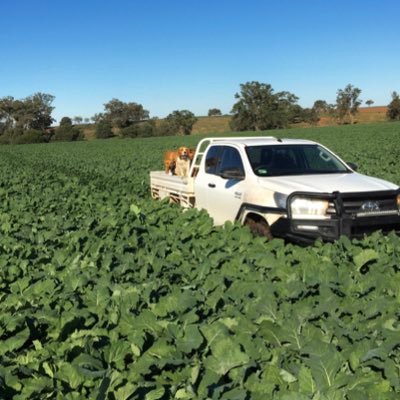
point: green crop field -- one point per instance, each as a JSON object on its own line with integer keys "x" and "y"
{"x": 107, "y": 294}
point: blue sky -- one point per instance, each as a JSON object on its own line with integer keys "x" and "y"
{"x": 170, "y": 55}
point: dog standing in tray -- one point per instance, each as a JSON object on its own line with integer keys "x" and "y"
{"x": 178, "y": 161}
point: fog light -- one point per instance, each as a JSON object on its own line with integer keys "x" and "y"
{"x": 307, "y": 227}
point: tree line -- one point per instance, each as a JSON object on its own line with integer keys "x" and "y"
{"x": 132, "y": 120}
{"x": 257, "y": 107}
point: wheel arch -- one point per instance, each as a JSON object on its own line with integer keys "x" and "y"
{"x": 268, "y": 214}
{"x": 254, "y": 215}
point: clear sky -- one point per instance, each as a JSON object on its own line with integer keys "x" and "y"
{"x": 187, "y": 54}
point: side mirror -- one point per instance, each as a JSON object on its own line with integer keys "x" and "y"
{"x": 353, "y": 166}
{"x": 232, "y": 173}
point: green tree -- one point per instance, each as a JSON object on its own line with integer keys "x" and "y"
{"x": 38, "y": 109}
{"x": 310, "y": 116}
{"x": 33, "y": 112}
{"x": 369, "y": 102}
{"x": 347, "y": 103}
{"x": 66, "y": 132}
{"x": 97, "y": 117}
{"x": 78, "y": 119}
{"x": 298, "y": 114}
{"x": 393, "y": 111}
{"x": 181, "y": 121}
{"x": 32, "y": 136}
{"x": 66, "y": 121}
{"x": 259, "y": 108}
{"x": 8, "y": 113}
{"x": 121, "y": 114}
{"x": 165, "y": 128}
{"x": 141, "y": 129}
{"x": 103, "y": 130}
{"x": 320, "y": 107}
{"x": 214, "y": 112}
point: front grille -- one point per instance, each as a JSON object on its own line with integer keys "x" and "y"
{"x": 370, "y": 205}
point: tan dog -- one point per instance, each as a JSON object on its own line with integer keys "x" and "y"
{"x": 178, "y": 162}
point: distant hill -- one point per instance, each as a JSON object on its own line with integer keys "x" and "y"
{"x": 365, "y": 115}
{"x": 212, "y": 124}
{"x": 220, "y": 124}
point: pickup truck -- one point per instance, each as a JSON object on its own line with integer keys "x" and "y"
{"x": 293, "y": 189}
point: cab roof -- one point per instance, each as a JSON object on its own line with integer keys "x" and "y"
{"x": 256, "y": 141}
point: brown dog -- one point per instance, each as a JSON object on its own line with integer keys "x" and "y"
{"x": 178, "y": 161}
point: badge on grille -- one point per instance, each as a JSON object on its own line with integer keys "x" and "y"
{"x": 370, "y": 206}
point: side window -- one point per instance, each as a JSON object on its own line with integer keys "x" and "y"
{"x": 231, "y": 160}
{"x": 213, "y": 159}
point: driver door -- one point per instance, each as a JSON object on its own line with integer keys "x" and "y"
{"x": 223, "y": 197}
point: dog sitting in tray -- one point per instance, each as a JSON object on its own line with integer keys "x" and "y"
{"x": 178, "y": 161}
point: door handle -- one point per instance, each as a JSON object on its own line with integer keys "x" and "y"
{"x": 211, "y": 185}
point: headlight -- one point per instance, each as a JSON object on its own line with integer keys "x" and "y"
{"x": 303, "y": 208}
{"x": 398, "y": 201}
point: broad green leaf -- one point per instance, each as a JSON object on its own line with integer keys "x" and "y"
{"x": 183, "y": 394}
{"x": 155, "y": 394}
{"x": 208, "y": 380}
{"x": 271, "y": 332}
{"x": 191, "y": 341}
{"x": 49, "y": 371}
{"x": 214, "y": 332}
{"x": 10, "y": 378}
{"x": 70, "y": 374}
{"x": 36, "y": 386}
{"x": 324, "y": 368}
{"x": 14, "y": 342}
{"x": 116, "y": 352}
{"x": 306, "y": 381}
{"x": 287, "y": 376}
{"x": 123, "y": 393}
{"x": 226, "y": 354}
{"x": 392, "y": 373}
{"x": 364, "y": 257}
{"x": 294, "y": 396}
{"x": 194, "y": 373}
{"x": 270, "y": 379}
{"x": 235, "y": 394}
{"x": 89, "y": 365}
{"x": 147, "y": 321}
{"x": 135, "y": 209}
{"x": 162, "y": 349}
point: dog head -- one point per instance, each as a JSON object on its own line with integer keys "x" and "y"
{"x": 183, "y": 153}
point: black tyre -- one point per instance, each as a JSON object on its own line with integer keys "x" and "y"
{"x": 259, "y": 227}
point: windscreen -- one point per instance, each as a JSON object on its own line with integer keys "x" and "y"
{"x": 299, "y": 159}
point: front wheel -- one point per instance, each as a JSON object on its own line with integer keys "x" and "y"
{"x": 258, "y": 227}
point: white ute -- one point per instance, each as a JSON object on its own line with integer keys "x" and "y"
{"x": 295, "y": 189}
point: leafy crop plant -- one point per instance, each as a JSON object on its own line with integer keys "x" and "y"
{"x": 106, "y": 294}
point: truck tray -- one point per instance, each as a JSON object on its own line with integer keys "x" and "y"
{"x": 178, "y": 189}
